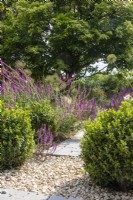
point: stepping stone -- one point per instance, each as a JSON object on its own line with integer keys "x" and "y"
{"x": 11, "y": 194}
{"x": 79, "y": 135}
{"x": 70, "y": 147}
{"x": 61, "y": 198}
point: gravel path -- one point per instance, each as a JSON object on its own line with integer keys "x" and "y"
{"x": 62, "y": 175}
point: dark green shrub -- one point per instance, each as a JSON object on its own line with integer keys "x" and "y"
{"x": 16, "y": 136}
{"x": 107, "y": 146}
{"x": 43, "y": 113}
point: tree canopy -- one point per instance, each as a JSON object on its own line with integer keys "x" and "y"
{"x": 67, "y": 35}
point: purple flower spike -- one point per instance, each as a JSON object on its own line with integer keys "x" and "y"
{"x": 45, "y": 139}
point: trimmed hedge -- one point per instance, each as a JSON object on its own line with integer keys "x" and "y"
{"x": 107, "y": 147}
{"x": 16, "y": 136}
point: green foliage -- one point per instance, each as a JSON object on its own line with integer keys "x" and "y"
{"x": 99, "y": 94}
{"x": 42, "y": 113}
{"x": 107, "y": 146}
{"x": 69, "y": 40}
{"x": 67, "y": 124}
{"x": 55, "y": 36}
{"x": 114, "y": 22}
{"x": 104, "y": 85}
{"x": 16, "y": 136}
{"x": 24, "y": 35}
{"x": 55, "y": 81}
{"x": 1, "y": 105}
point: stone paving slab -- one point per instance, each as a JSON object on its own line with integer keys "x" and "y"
{"x": 79, "y": 135}
{"x": 11, "y": 194}
{"x": 70, "y": 147}
{"x": 62, "y": 198}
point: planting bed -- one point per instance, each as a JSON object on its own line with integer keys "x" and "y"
{"x": 60, "y": 176}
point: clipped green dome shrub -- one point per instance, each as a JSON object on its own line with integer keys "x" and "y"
{"x": 16, "y": 136}
{"x": 107, "y": 147}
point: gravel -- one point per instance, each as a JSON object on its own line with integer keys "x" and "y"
{"x": 58, "y": 176}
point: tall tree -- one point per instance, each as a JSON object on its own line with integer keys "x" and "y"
{"x": 70, "y": 43}
{"x": 68, "y": 35}
{"x": 112, "y": 25}
{"x": 24, "y": 35}
{"x": 96, "y": 31}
